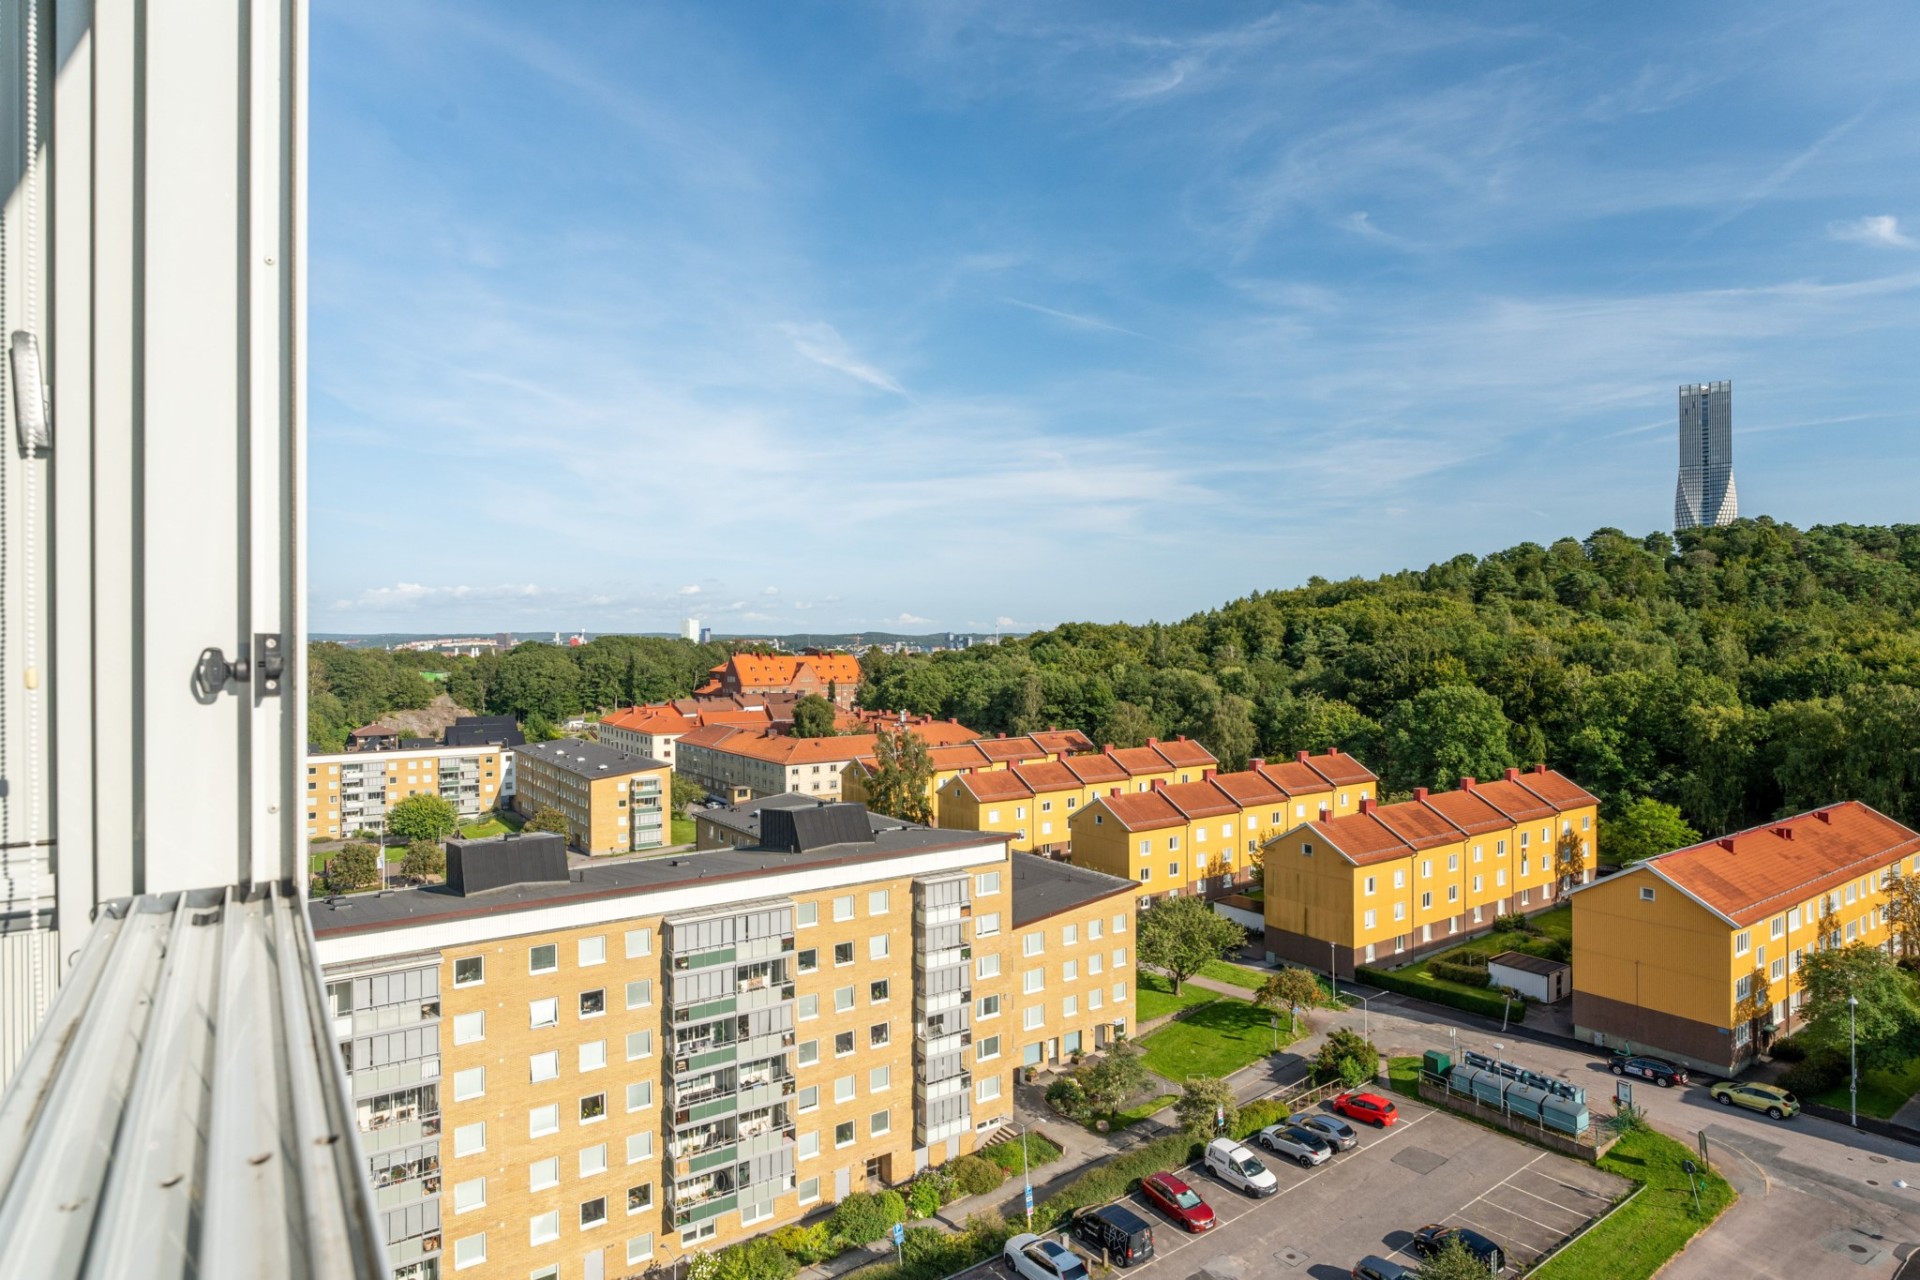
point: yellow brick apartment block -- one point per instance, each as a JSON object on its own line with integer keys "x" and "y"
{"x": 349, "y": 791}
{"x": 668, "y": 1055}
{"x": 614, "y": 802}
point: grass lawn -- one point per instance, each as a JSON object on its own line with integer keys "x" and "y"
{"x": 494, "y": 824}
{"x": 1134, "y": 1114}
{"x": 1216, "y": 1039}
{"x": 1881, "y": 1092}
{"x": 683, "y": 831}
{"x": 1238, "y": 975}
{"x": 1153, "y": 997}
{"x": 1640, "y": 1239}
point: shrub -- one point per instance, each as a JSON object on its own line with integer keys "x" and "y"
{"x": 1818, "y": 1072}
{"x": 1204, "y": 1102}
{"x": 1512, "y": 922}
{"x": 1487, "y": 1004}
{"x": 1256, "y": 1116}
{"x": 356, "y": 866}
{"x": 865, "y": 1216}
{"x": 1558, "y": 949}
{"x": 548, "y": 819}
{"x": 974, "y": 1176}
{"x": 760, "y": 1259}
{"x": 1007, "y": 1155}
{"x": 807, "y": 1245}
{"x": 1467, "y": 975}
{"x": 1628, "y": 1118}
{"x": 1788, "y": 1049}
{"x": 1067, "y": 1097}
{"x": 1348, "y": 1056}
{"x": 923, "y": 1196}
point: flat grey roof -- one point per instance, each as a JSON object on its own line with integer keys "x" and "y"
{"x": 366, "y": 912}
{"x": 1528, "y": 964}
{"x": 745, "y": 818}
{"x": 1043, "y": 887}
{"x": 589, "y": 759}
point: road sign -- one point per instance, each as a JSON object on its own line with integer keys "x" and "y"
{"x": 1029, "y": 1199}
{"x": 899, "y": 1233}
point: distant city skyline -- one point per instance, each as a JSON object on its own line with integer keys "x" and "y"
{"x": 923, "y": 318}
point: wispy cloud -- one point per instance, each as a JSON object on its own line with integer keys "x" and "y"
{"x": 1879, "y": 231}
{"x": 1074, "y": 318}
{"x": 822, "y": 344}
{"x": 1785, "y": 171}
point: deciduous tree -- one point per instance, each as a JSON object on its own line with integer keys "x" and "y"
{"x": 547, "y": 818}
{"x": 1288, "y": 989}
{"x": 424, "y": 860}
{"x": 901, "y": 777}
{"x": 813, "y": 717}
{"x": 426, "y": 818}
{"x": 1645, "y": 827}
{"x": 1884, "y": 1026}
{"x": 1903, "y": 913}
{"x": 1179, "y": 935}
{"x": 356, "y": 866}
{"x": 1115, "y": 1076}
{"x": 1203, "y": 1102}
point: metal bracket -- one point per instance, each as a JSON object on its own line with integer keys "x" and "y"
{"x": 265, "y": 670}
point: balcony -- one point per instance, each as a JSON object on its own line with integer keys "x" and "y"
{"x": 946, "y": 958}
{"x": 934, "y": 1046}
{"x": 924, "y": 1091}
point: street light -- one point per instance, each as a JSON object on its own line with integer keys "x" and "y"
{"x": 1333, "y": 974}
{"x": 1853, "y": 1065}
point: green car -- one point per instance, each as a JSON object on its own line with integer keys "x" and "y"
{"x": 1772, "y": 1099}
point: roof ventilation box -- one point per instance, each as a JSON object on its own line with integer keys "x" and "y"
{"x": 531, "y": 857}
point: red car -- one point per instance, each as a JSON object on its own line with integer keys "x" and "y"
{"x": 1370, "y": 1107}
{"x": 1180, "y": 1201}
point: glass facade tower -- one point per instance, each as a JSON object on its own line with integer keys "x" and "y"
{"x": 1705, "y": 496}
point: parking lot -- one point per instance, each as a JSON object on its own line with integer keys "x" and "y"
{"x": 1431, "y": 1167}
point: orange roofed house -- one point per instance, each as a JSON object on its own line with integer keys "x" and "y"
{"x": 746, "y": 764}
{"x": 1669, "y": 954}
{"x": 831, "y": 675}
{"x": 1384, "y": 883}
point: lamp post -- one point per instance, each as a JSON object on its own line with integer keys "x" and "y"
{"x": 1853, "y": 1064}
{"x": 1333, "y": 974}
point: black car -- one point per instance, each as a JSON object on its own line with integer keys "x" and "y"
{"x": 1659, "y": 1070}
{"x": 1433, "y": 1237}
{"x": 1122, "y": 1235}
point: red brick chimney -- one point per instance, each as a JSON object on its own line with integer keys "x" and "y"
{"x": 1113, "y": 791}
{"x": 1301, "y": 756}
{"x": 1159, "y": 784}
{"x": 1153, "y": 742}
{"x": 1366, "y": 804}
{"x": 1825, "y": 815}
{"x": 1725, "y": 842}
{"x": 1107, "y": 749}
{"x": 1333, "y": 751}
{"x": 1513, "y": 775}
{"x": 1326, "y": 814}
{"x": 1419, "y": 793}
{"x": 1785, "y": 833}
{"x": 1257, "y": 763}
{"x": 1468, "y": 784}
{"x": 1539, "y": 768}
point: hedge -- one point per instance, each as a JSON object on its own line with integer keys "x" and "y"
{"x": 1488, "y": 1005}
{"x": 1467, "y": 975}
{"x": 1115, "y": 1178}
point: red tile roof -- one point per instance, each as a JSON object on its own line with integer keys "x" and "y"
{"x": 1143, "y": 810}
{"x": 1762, "y": 871}
{"x": 962, "y": 755}
{"x": 1251, "y": 789}
{"x": 1138, "y": 760}
{"x": 993, "y": 784}
{"x": 1184, "y": 753}
{"x": 1292, "y": 777}
{"x": 1095, "y": 766}
{"x": 1418, "y": 824}
{"x": 1199, "y": 799}
{"x": 1011, "y": 749}
{"x": 651, "y": 718}
{"x": 1362, "y": 837}
{"x": 1467, "y": 811}
{"x": 1047, "y": 775}
{"x": 1060, "y": 741}
{"x": 1556, "y": 788}
{"x": 1512, "y": 799}
{"x": 776, "y": 670}
{"x": 1337, "y": 767}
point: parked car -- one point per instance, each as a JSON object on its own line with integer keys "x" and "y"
{"x": 1178, "y": 1201}
{"x": 1035, "y": 1259}
{"x": 1337, "y": 1133}
{"x": 1659, "y": 1070}
{"x": 1122, "y": 1235}
{"x": 1295, "y": 1143}
{"x": 1236, "y": 1166}
{"x": 1433, "y": 1237}
{"x": 1772, "y": 1099}
{"x": 1370, "y": 1107}
{"x": 1372, "y": 1267}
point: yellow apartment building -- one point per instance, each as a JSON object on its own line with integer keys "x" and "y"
{"x": 614, "y": 802}
{"x": 1203, "y": 836}
{"x": 661, "y": 1057}
{"x": 981, "y": 755}
{"x": 1666, "y": 952}
{"x": 1032, "y": 803}
{"x": 350, "y": 791}
{"x": 1388, "y": 882}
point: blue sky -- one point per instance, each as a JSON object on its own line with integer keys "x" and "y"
{"x": 947, "y": 316}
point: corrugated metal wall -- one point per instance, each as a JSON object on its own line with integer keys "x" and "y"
{"x": 20, "y": 1006}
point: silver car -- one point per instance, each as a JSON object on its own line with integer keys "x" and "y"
{"x": 1332, "y": 1130}
{"x": 1297, "y": 1144}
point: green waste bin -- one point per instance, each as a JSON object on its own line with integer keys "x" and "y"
{"x": 1437, "y": 1062}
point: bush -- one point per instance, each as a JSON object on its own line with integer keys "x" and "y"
{"x": 760, "y": 1259}
{"x": 807, "y": 1245}
{"x": 1467, "y": 975}
{"x": 1487, "y": 1005}
{"x": 930, "y": 1254}
{"x": 548, "y": 819}
{"x": 424, "y": 858}
{"x": 925, "y": 1194}
{"x": 1256, "y": 1116}
{"x": 865, "y": 1216}
{"x": 1348, "y": 1056}
{"x": 1558, "y": 949}
{"x": 1512, "y": 922}
{"x": 1818, "y": 1072}
{"x": 1067, "y": 1097}
{"x": 974, "y": 1176}
{"x": 1007, "y": 1154}
{"x": 1788, "y": 1049}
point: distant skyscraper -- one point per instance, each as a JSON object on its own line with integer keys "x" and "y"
{"x": 690, "y": 629}
{"x": 1705, "y": 495}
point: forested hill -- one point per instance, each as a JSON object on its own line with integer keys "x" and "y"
{"x": 1749, "y": 671}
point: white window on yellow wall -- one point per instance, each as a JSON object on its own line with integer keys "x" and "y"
{"x": 1453, "y": 893}
{"x": 1369, "y": 920}
{"x": 1033, "y": 980}
{"x": 1199, "y": 834}
{"x": 1146, "y": 846}
{"x": 1399, "y": 878}
{"x": 1500, "y": 877}
{"x": 1070, "y": 971}
{"x": 1033, "y": 1017}
{"x": 1477, "y": 880}
{"x": 1367, "y": 886}
{"x": 1095, "y": 999}
{"x": 1019, "y": 811}
{"x": 1173, "y": 842}
{"x": 1426, "y": 868}
{"x": 1399, "y": 911}
{"x": 1095, "y": 964}
{"x": 993, "y": 815}
{"x": 1742, "y": 942}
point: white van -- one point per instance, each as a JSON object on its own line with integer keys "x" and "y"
{"x": 1238, "y": 1167}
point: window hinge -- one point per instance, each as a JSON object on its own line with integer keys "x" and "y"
{"x": 265, "y": 670}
